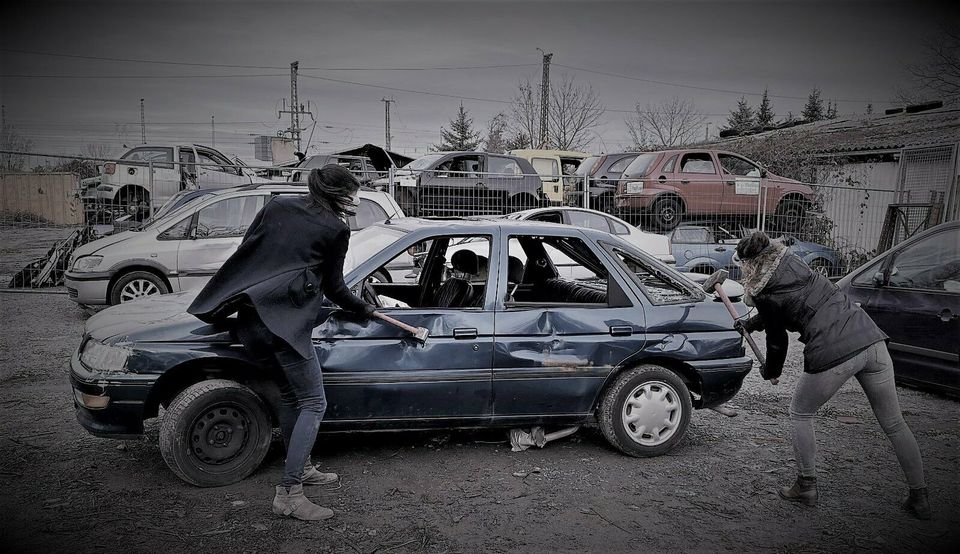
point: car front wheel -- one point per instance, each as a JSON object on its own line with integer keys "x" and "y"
{"x": 136, "y": 284}
{"x": 215, "y": 433}
{"x": 646, "y": 411}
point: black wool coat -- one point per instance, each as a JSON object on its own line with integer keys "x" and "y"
{"x": 796, "y": 298}
{"x": 289, "y": 262}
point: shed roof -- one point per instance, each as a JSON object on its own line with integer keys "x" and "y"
{"x": 871, "y": 133}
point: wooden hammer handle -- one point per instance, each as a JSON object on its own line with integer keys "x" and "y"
{"x": 408, "y": 328}
{"x": 744, "y": 333}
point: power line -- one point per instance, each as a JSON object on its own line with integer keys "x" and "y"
{"x": 696, "y": 87}
{"x": 429, "y": 93}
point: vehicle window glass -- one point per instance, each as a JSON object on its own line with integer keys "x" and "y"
{"x": 460, "y": 167}
{"x": 587, "y": 165}
{"x": 552, "y": 217}
{"x": 368, "y": 213}
{"x": 547, "y": 168}
{"x": 657, "y": 289}
{"x": 178, "y": 231}
{"x": 228, "y": 218}
{"x": 736, "y": 165}
{"x": 161, "y": 157}
{"x": 638, "y": 167}
{"x": 670, "y": 165}
{"x": 214, "y": 163}
{"x": 866, "y": 277}
{"x": 588, "y": 220}
{"x": 187, "y": 159}
{"x": 316, "y": 161}
{"x": 700, "y": 162}
{"x": 424, "y": 162}
{"x": 618, "y": 227}
{"x": 621, "y": 164}
{"x": 930, "y": 264}
{"x": 685, "y": 236}
{"x": 504, "y": 167}
{"x": 556, "y": 271}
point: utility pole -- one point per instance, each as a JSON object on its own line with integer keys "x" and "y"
{"x": 296, "y": 108}
{"x": 706, "y": 132}
{"x": 143, "y": 124}
{"x": 386, "y": 105}
{"x": 544, "y": 97}
{"x": 213, "y": 133}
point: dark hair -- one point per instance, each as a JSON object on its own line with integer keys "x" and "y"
{"x": 332, "y": 187}
{"x": 752, "y": 245}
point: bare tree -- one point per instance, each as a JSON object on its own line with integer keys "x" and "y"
{"x": 497, "y": 130}
{"x": 12, "y": 141}
{"x": 939, "y": 73}
{"x": 673, "y": 122}
{"x": 525, "y": 111}
{"x": 98, "y": 150}
{"x": 575, "y": 110}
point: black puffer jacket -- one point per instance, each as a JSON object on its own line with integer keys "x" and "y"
{"x": 795, "y": 298}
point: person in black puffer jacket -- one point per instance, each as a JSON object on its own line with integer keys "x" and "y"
{"x": 841, "y": 341}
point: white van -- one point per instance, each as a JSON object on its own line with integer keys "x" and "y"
{"x": 554, "y": 167}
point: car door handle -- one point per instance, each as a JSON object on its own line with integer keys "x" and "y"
{"x": 465, "y": 333}
{"x": 719, "y": 249}
{"x": 684, "y": 181}
{"x": 731, "y": 182}
{"x": 621, "y": 330}
{"x": 946, "y": 315}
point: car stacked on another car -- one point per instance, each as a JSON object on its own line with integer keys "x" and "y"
{"x": 465, "y": 183}
{"x": 184, "y": 248}
{"x": 602, "y": 173}
{"x": 634, "y": 347}
{"x": 667, "y": 187}
{"x": 360, "y": 166}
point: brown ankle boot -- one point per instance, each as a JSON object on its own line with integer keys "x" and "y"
{"x": 917, "y": 504}
{"x": 312, "y": 476}
{"x": 290, "y": 502}
{"x": 804, "y": 491}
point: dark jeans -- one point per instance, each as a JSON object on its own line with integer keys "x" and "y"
{"x": 873, "y": 368}
{"x": 302, "y": 399}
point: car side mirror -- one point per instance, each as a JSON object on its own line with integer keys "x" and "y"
{"x": 879, "y": 279}
{"x": 192, "y": 234}
{"x": 763, "y": 173}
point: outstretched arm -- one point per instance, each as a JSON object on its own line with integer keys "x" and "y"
{"x": 333, "y": 286}
{"x": 777, "y": 342}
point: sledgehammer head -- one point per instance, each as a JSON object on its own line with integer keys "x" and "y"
{"x": 421, "y": 335}
{"x": 718, "y": 277}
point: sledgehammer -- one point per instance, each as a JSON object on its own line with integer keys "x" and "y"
{"x": 419, "y": 333}
{"x": 714, "y": 284}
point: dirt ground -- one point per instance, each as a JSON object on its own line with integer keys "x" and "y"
{"x": 465, "y": 491}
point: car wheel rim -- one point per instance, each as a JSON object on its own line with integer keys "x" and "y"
{"x": 220, "y": 434}
{"x": 651, "y": 413}
{"x": 667, "y": 214}
{"x": 822, "y": 269}
{"x": 138, "y": 288}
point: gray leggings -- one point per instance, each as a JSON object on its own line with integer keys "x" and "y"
{"x": 873, "y": 368}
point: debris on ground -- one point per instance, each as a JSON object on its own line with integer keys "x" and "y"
{"x": 48, "y": 271}
{"x": 521, "y": 440}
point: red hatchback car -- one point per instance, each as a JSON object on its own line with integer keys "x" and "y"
{"x": 670, "y": 185}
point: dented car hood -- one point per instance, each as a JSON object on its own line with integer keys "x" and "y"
{"x": 161, "y": 318}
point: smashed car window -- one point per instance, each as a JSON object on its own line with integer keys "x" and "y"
{"x": 657, "y": 286}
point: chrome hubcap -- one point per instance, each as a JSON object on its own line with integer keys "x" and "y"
{"x": 651, "y": 413}
{"x": 136, "y": 289}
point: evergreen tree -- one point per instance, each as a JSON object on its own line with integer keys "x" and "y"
{"x": 742, "y": 119}
{"x": 765, "y": 113}
{"x": 813, "y": 110}
{"x": 869, "y": 109}
{"x": 461, "y": 135}
{"x": 831, "y": 110}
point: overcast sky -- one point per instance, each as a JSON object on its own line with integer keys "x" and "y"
{"x": 855, "y": 51}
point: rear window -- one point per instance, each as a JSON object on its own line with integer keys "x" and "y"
{"x": 587, "y": 165}
{"x": 161, "y": 157}
{"x": 639, "y": 165}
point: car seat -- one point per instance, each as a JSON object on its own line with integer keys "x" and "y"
{"x": 457, "y": 292}
{"x": 514, "y": 276}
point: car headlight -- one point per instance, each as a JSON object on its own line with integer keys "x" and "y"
{"x": 104, "y": 358}
{"x": 86, "y": 263}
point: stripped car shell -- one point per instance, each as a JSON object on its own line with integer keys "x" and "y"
{"x": 508, "y": 359}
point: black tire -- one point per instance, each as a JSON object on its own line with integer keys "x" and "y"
{"x": 124, "y": 289}
{"x": 215, "y": 433}
{"x": 703, "y": 269}
{"x": 380, "y": 276}
{"x": 615, "y": 408}
{"x": 790, "y": 215}
{"x": 136, "y": 202}
{"x": 522, "y": 201}
{"x": 667, "y": 213}
{"x": 822, "y": 266}
{"x": 407, "y": 198}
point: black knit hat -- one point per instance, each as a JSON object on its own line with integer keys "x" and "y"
{"x": 751, "y": 246}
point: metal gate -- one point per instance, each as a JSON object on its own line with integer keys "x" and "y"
{"x": 926, "y": 190}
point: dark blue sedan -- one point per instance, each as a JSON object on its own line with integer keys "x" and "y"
{"x": 629, "y": 344}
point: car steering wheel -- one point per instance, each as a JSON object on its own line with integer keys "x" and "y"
{"x": 369, "y": 294}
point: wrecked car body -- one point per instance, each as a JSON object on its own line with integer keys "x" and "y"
{"x": 631, "y": 345}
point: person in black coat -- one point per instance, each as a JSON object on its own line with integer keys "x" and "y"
{"x": 288, "y": 265}
{"x": 841, "y": 341}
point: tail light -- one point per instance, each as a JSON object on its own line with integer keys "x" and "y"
{"x": 596, "y": 166}
{"x": 109, "y": 168}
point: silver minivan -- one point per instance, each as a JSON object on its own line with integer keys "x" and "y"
{"x": 182, "y": 249}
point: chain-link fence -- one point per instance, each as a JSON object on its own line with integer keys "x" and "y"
{"x": 49, "y": 205}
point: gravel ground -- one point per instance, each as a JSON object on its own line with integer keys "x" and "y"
{"x": 460, "y": 491}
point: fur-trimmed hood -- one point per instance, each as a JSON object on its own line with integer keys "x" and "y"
{"x": 758, "y": 270}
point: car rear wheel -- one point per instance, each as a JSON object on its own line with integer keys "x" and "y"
{"x": 666, "y": 213}
{"x": 790, "y": 215}
{"x": 215, "y": 433}
{"x": 821, "y": 266}
{"x": 646, "y": 411}
{"x": 137, "y": 284}
{"x": 136, "y": 202}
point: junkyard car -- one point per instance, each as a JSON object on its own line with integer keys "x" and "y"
{"x": 602, "y": 173}
{"x": 555, "y": 167}
{"x": 671, "y": 185}
{"x": 183, "y": 249}
{"x": 912, "y": 292}
{"x": 465, "y": 183}
{"x": 361, "y": 166}
{"x": 127, "y": 184}
{"x": 634, "y": 348}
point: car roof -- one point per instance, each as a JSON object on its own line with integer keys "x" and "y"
{"x": 478, "y": 225}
